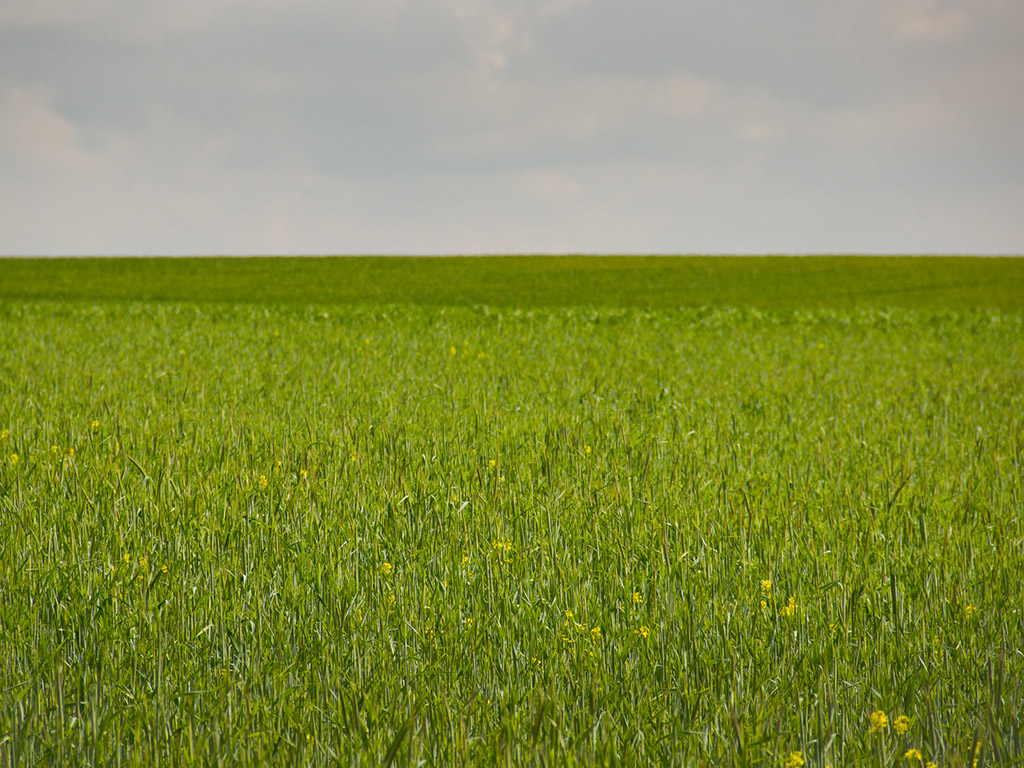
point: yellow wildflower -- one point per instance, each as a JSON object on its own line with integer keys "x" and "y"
{"x": 790, "y": 608}
{"x": 4, "y": 434}
{"x": 54, "y": 449}
{"x": 386, "y": 568}
{"x": 877, "y": 721}
{"x": 930, "y": 764}
{"x": 586, "y": 449}
{"x": 795, "y": 760}
{"x": 912, "y": 754}
{"x": 766, "y": 585}
{"x": 491, "y": 463}
{"x": 595, "y": 634}
{"x": 95, "y": 425}
{"x": 644, "y": 631}
{"x": 453, "y": 351}
{"x": 15, "y": 459}
{"x": 901, "y": 725}
{"x": 969, "y": 610}
{"x": 263, "y": 481}
{"x": 637, "y": 598}
{"x": 303, "y": 474}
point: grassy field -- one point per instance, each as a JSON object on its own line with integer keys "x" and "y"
{"x": 935, "y": 283}
{"x": 637, "y": 528}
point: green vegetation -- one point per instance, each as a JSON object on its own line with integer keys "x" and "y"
{"x": 270, "y": 533}
{"x": 837, "y": 282}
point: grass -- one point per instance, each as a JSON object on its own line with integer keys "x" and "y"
{"x": 264, "y": 533}
{"x": 831, "y": 282}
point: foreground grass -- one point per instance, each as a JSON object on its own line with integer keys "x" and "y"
{"x": 248, "y": 535}
{"x": 834, "y": 282}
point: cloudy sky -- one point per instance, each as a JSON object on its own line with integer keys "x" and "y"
{"x": 483, "y": 126}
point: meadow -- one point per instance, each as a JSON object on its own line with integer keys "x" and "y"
{"x": 639, "y": 520}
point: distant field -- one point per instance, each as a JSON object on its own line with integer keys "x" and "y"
{"x": 390, "y": 521}
{"x": 840, "y": 282}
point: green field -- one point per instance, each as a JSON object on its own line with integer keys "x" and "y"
{"x": 936, "y": 283}
{"x": 623, "y": 512}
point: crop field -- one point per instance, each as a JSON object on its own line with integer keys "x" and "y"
{"x": 627, "y": 526}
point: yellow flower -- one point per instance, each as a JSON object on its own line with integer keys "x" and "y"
{"x": 4, "y": 434}
{"x": 877, "y": 721}
{"x": 491, "y": 463}
{"x": 453, "y": 351}
{"x": 586, "y": 449}
{"x": 790, "y": 608}
{"x": 277, "y": 467}
{"x": 263, "y": 481}
{"x": 595, "y": 634}
{"x": 637, "y": 598}
{"x": 54, "y": 449}
{"x": 143, "y": 563}
{"x": 901, "y": 725}
{"x": 969, "y": 610}
{"x": 931, "y": 765}
{"x": 795, "y": 760}
{"x": 303, "y": 474}
{"x": 766, "y": 585}
{"x": 386, "y": 568}
{"x": 163, "y": 569}
{"x": 15, "y": 459}
{"x": 644, "y": 631}
{"x": 912, "y": 754}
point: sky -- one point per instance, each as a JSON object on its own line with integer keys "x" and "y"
{"x": 492, "y": 126}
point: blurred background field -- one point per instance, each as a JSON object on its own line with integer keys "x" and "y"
{"x": 276, "y": 528}
{"x": 770, "y": 282}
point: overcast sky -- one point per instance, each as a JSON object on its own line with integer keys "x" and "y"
{"x": 484, "y": 126}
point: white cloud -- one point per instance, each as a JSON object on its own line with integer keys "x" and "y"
{"x": 925, "y": 20}
{"x": 35, "y": 137}
{"x": 494, "y": 34}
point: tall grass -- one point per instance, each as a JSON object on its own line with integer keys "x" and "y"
{"x": 247, "y": 535}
